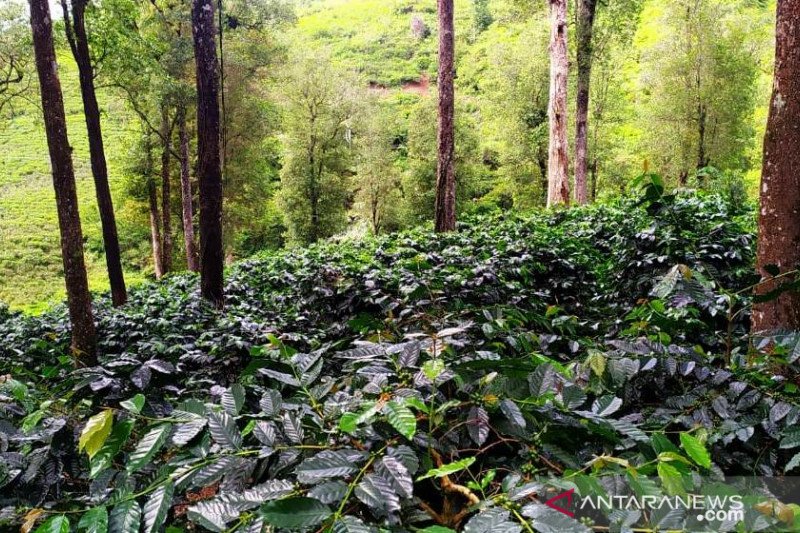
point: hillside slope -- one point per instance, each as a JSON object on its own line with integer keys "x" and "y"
{"x": 30, "y": 260}
{"x": 375, "y": 37}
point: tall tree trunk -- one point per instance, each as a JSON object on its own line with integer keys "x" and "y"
{"x": 313, "y": 196}
{"x": 541, "y": 160}
{"x": 186, "y": 195}
{"x": 558, "y": 160}
{"x": 166, "y": 192}
{"x": 155, "y": 228}
{"x": 445, "y": 212}
{"x": 586, "y": 12}
{"x": 702, "y": 161}
{"x": 778, "y": 222}
{"x": 155, "y": 217}
{"x": 593, "y": 170}
{"x": 376, "y": 214}
{"x": 79, "y": 44}
{"x": 212, "y": 258}
{"x": 316, "y": 231}
{"x": 701, "y": 132}
{"x": 79, "y": 299}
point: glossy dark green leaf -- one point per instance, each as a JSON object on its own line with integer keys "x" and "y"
{"x": 295, "y": 513}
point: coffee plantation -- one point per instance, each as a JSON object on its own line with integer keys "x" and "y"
{"x": 414, "y": 382}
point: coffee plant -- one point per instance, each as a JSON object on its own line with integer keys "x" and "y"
{"x": 415, "y": 382}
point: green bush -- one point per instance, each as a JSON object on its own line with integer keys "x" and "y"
{"x": 410, "y": 382}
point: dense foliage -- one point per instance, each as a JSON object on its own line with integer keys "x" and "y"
{"x": 411, "y": 381}
{"x": 670, "y": 90}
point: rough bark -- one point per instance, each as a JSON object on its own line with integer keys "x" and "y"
{"x": 79, "y": 44}
{"x": 445, "y": 212}
{"x": 778, "y": 222}
{"x": 79, "y": 299}
{"x": 187, "y": 210}
{"x": 166, "y": 193}
{"x": 585, "y": 51}
{"x": 212, "y": 258}
{"x": 558, "y": 160}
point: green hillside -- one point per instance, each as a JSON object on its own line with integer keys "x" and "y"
{"x": 375, "y": 37}
{"x": 30, "y": 262}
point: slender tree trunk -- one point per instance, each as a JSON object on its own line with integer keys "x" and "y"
{"x": 541, "y": 160}
{"x": 445, "y": 212}
{"x": 701, "y": 131}
{"x": 593, "y": 170}
{"x": 316, "y": 231}
{"x": 702, "y": 161}
{"x": 166, "y": 193}
{"x": 79, "y": 299}
{"x": 152, "y": 203}
{"x": 155, "y": 228}
{"x": 313, "y": 197}
{"x": 376, "y": 214}
{"x": 212, "y": 258}
{"x": 186, "y": 196}
{"x": 79, "y": 44}
{"x": 778, "y": 222}
{"x": 558, "y": 161}
{"x": 586, "y": 12}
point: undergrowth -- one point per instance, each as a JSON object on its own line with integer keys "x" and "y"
{"x": 411, "y": 382}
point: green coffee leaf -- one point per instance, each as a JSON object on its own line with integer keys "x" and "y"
{"x": 148, "y": 447}
{"x": 448, "y": 469}
{"x": 125, "y": 517}
{"x": 103, "y": 458}
{"x": 157, "y": 507}
{"x": 55, "y": 524}
{"x": 95, "y": 520}
{"x": 402, "y": 419}
{"x": 134, "y": 405}
{"x": 696, "y": 450}
{"x": 295, "y": 513}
